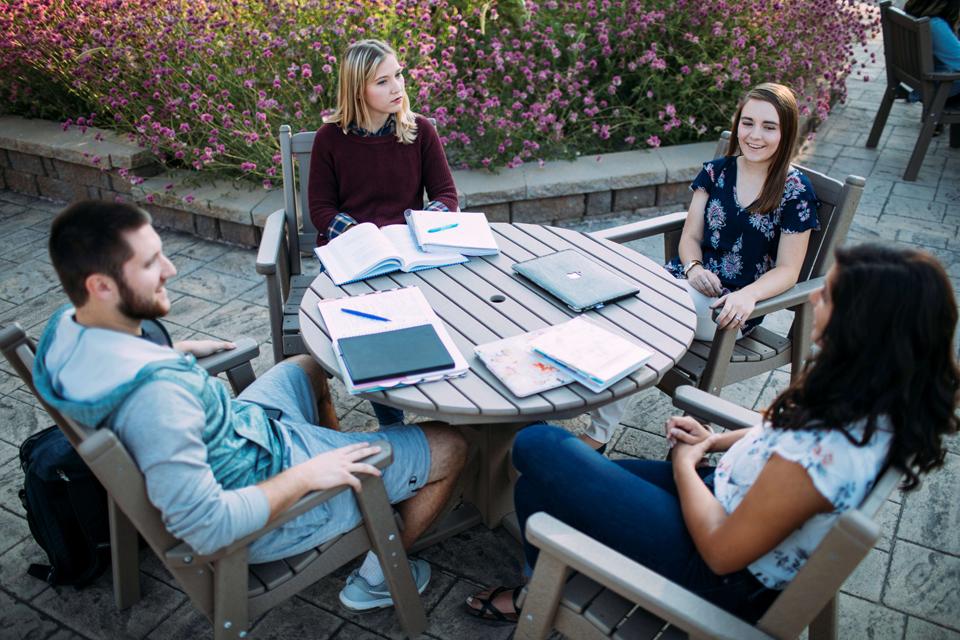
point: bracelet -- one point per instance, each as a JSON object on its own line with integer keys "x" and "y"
{"x": 690, "y": 265}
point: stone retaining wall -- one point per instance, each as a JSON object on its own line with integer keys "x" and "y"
{"x": 39, "y": 158}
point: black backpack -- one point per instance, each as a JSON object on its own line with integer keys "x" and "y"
{"x": 65, "y": 503}
{"x": 66, "y": 509}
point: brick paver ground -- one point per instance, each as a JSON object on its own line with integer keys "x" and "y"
{"x": 908, "y": 587}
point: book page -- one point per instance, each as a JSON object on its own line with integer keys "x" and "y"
{"x": 356, "y": 252}
{"x": 410, "y": 255}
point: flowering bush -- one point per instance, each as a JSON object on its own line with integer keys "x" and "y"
{"x": 207, "y": 83}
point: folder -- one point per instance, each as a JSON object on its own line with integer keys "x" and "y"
{"x": 393, "y": 354}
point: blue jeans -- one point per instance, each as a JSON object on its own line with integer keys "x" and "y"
{"x": 629, "y": 505}
{"x": 387, "y": 416}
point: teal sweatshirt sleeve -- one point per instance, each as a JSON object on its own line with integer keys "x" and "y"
{"x": 162, "y": 425}
{"x": 946, "y": 45}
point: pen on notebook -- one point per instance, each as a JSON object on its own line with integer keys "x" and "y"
{"x": 363, "y": 314}
{"x": 444, "y": 227}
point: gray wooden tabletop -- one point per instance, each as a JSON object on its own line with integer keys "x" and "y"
{"x": 484, "y": 300}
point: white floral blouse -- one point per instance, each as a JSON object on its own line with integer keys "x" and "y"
{"x": 841, "y": 471}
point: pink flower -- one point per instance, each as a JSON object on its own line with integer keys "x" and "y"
{"x": 653, "y": 141}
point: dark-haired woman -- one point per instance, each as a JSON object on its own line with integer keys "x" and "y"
{"x": 881, "y": 390}
{"x": 944, "y": 21}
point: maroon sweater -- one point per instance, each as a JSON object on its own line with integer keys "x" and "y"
{"x": 375, "y": 179}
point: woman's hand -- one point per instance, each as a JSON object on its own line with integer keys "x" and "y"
{"x": 737, "y": 307}
{"x": 690, "y": 455}
{"x": 686, "y": 430}
{"x": 704, "y": 281}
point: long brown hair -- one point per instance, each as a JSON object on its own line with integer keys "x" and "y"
{"x": 360, "y": 62}
{"x": 887, "y": 350}
{"x": 785, "y": 103}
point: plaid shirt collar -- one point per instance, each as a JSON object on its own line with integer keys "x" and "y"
{"x": 388, "y": 128}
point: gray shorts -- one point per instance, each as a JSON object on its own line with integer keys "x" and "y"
{"x": 286, "y": 393}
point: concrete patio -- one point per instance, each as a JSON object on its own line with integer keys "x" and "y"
{"x": 908, "y": 587}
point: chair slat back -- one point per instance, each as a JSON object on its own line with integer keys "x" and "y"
{"x": 295, "y": 160}
{"x": 838, "y": 203}
{"x": 907, "y": 48}
{"x": 843, "y": 548}
{"x": 100, "y": 449}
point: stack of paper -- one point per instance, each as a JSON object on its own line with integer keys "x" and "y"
{"x": 594, "y": 357}
{"x": 390, "y": 331}
{"x": 465, "y": 232}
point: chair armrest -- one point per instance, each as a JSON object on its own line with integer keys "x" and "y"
{"x": 184, "y": 553}
{"x": 795, "y": 295}
{"x": 715, "y": 409}
{"x": 943, "y": 76}
{"x": 270, "y": 240}
{"x": 247, "y": 349}
{"x": 635, "y": 582}
{"x": 643, "y": 228}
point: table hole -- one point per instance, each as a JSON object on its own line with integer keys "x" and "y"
{"x": 497, "y": 298}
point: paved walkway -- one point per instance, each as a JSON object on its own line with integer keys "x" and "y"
{"x": 909, "y": 586}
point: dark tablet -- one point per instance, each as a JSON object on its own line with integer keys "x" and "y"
{"x": 394, "y": 354}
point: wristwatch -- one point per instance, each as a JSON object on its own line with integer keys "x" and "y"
{"x": 690, "y": 265}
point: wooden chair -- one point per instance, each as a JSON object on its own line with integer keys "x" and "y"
{"x": 908, "y": 51}
{"x": 725, "y": 360}
{"x": 611, "y": 596}
{"x": 286, "y": 233}
{"x": 222, "y": 585}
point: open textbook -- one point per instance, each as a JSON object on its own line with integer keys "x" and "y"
{"x": 364, "y": 251}
{"x": 388, "y": 339}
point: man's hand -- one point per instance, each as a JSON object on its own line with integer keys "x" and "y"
{"x": 686, "y": 430}
{"x": 203, "y": 348}
{"x": 705, "y": 281}
{"x": 337, "y": 467}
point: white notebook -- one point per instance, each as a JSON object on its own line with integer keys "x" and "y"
{"x": 595, "y": 357}
{"x": 466, "y": 232}
{"x": 512, "y": 360}
{"x": 364, "y": 251}
{"x": 398, "y": 309}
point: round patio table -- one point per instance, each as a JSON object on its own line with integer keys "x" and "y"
{"x": 484, "y": 300}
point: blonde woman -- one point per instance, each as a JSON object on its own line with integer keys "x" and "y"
{"x": 374, "y": 157}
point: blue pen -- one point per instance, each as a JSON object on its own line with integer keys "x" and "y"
{"x": 444, "y": 227}
{"x": 363, "y": 314}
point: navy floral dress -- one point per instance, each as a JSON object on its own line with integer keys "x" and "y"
{"x": 740, "y": 246}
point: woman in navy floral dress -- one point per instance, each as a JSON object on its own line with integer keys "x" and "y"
{"x": 747, "y": 228}
{"x": 749, "y": 223}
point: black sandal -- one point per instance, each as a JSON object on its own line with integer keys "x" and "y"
{"x": 487, "y": 611}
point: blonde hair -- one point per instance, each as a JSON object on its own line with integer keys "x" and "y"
{"x": 357, "y": 68}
